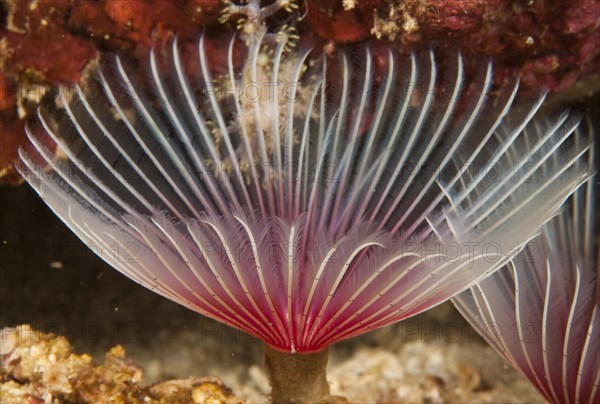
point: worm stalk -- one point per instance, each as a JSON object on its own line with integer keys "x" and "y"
{"x": 297, "y": 378}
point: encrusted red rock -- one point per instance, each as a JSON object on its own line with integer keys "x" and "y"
{"x": 29, "y": 55}
{"x": 340, "y": 21}
{"x": 8, "y": 93}
{"x": 581, "y": 16}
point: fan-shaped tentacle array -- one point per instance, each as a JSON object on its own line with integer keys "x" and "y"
{"x": 542, "y": 311}
{"x": 302, "y": 199}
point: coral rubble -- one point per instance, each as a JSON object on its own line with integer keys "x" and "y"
{"x": 41, "y": 368}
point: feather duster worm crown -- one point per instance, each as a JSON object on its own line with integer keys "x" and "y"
{"x": 302, "y": 199}
{"x": 542, "y": 311}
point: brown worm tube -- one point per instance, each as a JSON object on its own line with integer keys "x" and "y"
{"x": 297, "y": 378}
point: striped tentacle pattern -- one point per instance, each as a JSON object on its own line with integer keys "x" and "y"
{"x": 542, "y": 311}
{"x": 303, "y": 199}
